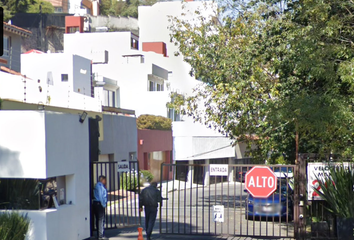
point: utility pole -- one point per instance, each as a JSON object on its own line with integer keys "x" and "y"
{"x": 41, "y": 28}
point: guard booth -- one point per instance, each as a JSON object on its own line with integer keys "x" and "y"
{"x": 227, "y": 208}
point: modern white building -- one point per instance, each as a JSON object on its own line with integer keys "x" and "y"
{"x": 192, "y": 142}
{"x": 42, "y": 145}
{"x": 43, "y": 138}
{"x": 142, "y": 79}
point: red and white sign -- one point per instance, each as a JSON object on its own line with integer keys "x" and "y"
{"x": 260, "y": 182}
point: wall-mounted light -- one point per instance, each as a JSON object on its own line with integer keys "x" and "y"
{"x": 98, "y": 118}
{"x": 83, "y": 117}
{"x": 41, "y": 107}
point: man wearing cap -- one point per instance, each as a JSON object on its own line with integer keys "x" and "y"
{"x": 149, "y": 198}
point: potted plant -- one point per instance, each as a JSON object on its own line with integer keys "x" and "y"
{"x": 336, "y": 188}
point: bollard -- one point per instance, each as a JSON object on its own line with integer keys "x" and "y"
{"x": 140, "y": 236}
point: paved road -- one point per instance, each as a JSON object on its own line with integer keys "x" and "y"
{"x": 190, "y": 211}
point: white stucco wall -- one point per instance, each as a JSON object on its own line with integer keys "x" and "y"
{"x": 22, "y": 144}
{"x": 193, "y": 141}
{"x": 154, "y": 27}
{"x": 61, "y": 94}
{"x": 43, "y": 144}
{"x": 132, "y": 78}
{"x": 120, "y": 136}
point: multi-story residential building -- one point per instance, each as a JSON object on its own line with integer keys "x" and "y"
{"x": 12, "y": 47}
{"x": 45, "y": 137}
{"x": 192, "y": 142}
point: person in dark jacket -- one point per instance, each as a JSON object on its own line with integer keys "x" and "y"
{"x": 150, "y": 198}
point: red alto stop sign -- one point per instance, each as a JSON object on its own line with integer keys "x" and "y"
{"x": 260, "y": 181}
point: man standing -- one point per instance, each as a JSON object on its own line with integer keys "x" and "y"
{"x": 99, "y": 205}
{"x": 149, "y": 198}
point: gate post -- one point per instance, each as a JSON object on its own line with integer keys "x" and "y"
{"x": 300, "y": 198}
{"x": 190, "y": 174}
{"x": 207, "y": 173}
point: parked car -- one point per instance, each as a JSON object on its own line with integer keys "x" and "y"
{"x": 241, "y": 173}
{"x": 278, "y": 205}
{"x": 283, "y": 172}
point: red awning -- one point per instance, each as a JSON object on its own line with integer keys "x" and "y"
{"x": 34, "y": 51}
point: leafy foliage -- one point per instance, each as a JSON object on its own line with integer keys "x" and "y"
{"x": 273, "y": 68}
{"x": 47, "y": 7}
{"x": 7, "y": 13}
{"x": 127, "y": 8}
{"x": 337, "y": 191}
{"x": 154, "y": 122}
{"x": 12, "y": 7}
{"x": 19, "y": 194}
{"x": 13, "y": 226}
{"x": 146, "y": 176}
{"x": 129, "y": 181}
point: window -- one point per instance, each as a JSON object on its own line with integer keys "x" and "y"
{"x": 109, "y": 98}
{"x": 74, "y": 29}
{"x": 159, "y": 87}
{"x": 151, "y": 86}
{"x": 64, "y": 77}
{"x": 7, "y": 46}
{"x": 132, "y": 156}
{"x": 134, "y": 43}
{"x": 58, "y": 9}
{"x": 173, "y": 115}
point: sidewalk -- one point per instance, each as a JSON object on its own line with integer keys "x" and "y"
{"x": 132, "y": 234}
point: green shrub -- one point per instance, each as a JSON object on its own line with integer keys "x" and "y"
{"x": 19, "y": 194}
{"x": 337, "y": 190}
{"x": 146, "y": 176}
{"x": 153, "y": 122}
{"x": 129, "y": 181}
{"x": 13, "y": 226}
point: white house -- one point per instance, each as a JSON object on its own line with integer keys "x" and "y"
{"x": 42, "y": 145}
{"x": 38, "y": 143}
{"x": 10, "y": 60}
{"x": 142, "y": 80}
{"x": 191, "y": 141}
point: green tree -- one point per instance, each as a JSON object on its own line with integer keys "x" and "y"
{"x": 275, "y": 69}
{"x": 153, "y": 122}
{"x": 17, "y": 6}
{"x": 47, "y": 7}
{"x": 127, "y": 8}
{"x": 7, "y": 13}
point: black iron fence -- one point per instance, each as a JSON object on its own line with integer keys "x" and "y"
{"x": 123, "y": 188}
{"x": 219, "y": 205}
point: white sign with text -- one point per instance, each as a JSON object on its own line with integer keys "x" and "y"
{"x": 319, "y": 170}
{"x": 218, "y": 213}
{"x": 123, "y": 167}
{"x": 219, "y": 169}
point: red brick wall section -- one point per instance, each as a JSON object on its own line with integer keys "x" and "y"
{"x": 157, "y": 47}
{"x": 74, "y": 21}
{"x": 153, "y": 141}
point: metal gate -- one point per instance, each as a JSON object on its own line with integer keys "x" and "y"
{"x": 189, "y": 203}
{"x": 123, "y": 204}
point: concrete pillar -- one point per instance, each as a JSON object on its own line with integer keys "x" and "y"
{"x": 207, "y": 173}
{"x": 190, "y": 174}
{"x": 231, "y": 171}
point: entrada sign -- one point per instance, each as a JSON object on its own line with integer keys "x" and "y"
{"x": 219, "y": 170}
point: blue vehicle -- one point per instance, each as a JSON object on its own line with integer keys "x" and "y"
{"x": 278, "y": 205}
